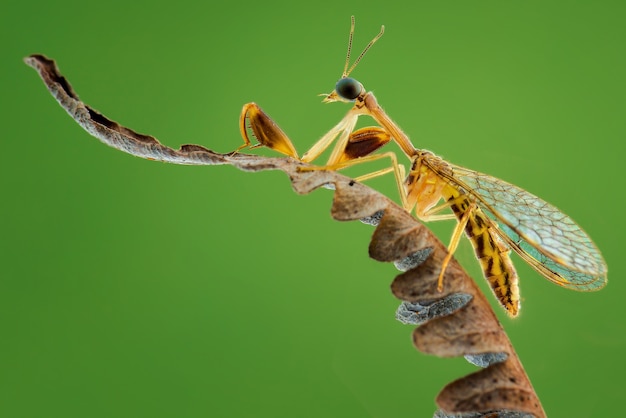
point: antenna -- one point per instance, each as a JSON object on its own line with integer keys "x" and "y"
{"x": 347, "y": 72}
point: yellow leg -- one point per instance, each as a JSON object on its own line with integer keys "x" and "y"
{"x": 343, "y": 129}
{"x": 430, "y": 216}
{"x": 375, "y": 174}
{"x": 454, "y": 243}
{"x": 395, "y": 167}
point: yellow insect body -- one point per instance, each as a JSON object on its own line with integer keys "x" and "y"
{"x": 425, "y": 188}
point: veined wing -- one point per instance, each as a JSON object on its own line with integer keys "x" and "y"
{"x": 546, "y": 238}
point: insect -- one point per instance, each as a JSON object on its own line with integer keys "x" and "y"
{"x": 496, "y": 216}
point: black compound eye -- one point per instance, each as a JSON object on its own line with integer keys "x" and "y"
{"x": 348, "y": 88}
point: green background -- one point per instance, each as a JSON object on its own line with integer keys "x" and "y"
{"x": 138, "y": 289}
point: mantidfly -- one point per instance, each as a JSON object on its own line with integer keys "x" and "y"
{"x": 496, "y": 216}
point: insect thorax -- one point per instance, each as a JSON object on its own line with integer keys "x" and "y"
{"x": 424, "y": 186}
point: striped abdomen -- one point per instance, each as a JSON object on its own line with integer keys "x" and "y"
{"x": 491, "y": 251}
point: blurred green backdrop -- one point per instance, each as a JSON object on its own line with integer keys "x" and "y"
{"x": 137, "y": 289}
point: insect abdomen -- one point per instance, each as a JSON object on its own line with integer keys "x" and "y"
{"x": 492, "y": 253}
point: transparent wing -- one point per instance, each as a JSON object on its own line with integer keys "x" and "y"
{"x": 546, "y": 238}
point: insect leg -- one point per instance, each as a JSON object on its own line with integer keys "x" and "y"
{"x": 454, "y": 242}
{"x": 344, "y": 128}
{"x": 397, "y": 169}
{"x": 430, "y": 214}
{"x": 265, "y": 130}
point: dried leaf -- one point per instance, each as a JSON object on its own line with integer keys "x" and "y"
{"x": 456, "y": 322}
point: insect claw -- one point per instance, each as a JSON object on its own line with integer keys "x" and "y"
{"x": 440, "y": 283}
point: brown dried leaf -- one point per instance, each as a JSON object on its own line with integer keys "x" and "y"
{"x": 457, "y": 321}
